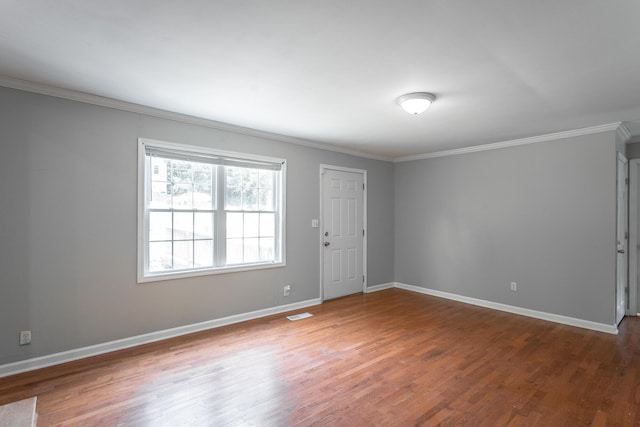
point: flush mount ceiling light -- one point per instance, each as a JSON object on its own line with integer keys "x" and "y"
{"x": 416, "y": 102}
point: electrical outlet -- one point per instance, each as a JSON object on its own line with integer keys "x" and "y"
{"x": 25, "y": 337}
{"x": 514, "y": 286}
{"x": 287, "y": 290}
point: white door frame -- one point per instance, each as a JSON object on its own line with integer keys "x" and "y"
{"x": 363, "y": 172}
{"x": 634, "y": 239}
{"x": 622, "y": 247}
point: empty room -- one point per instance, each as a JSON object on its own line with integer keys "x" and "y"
{"x": 339, "y": 213}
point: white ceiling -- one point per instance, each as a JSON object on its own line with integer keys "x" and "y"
{"x": 329, "y": 71}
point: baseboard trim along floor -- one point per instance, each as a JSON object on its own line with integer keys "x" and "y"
{"x": 71, "y": 355}
{"x": 565, "y": 320}
{"x": 94, "y": 350}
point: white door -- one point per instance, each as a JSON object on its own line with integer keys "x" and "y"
{"x": 621, "y": 267}
{"x": 633, "y": 242}
{"x": 342, "y": 232}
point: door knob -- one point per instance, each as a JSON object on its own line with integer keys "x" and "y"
{"x": 327, "y": 243}
{"x": 620, "y": 251}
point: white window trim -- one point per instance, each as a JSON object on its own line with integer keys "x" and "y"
{"x": 142, "y": 221}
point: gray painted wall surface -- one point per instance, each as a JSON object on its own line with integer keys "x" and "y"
{"x": 633, "y": 151}
{"x": 542, "y": 215}
{"x": 68, "y": 228}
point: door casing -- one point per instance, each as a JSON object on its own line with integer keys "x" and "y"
{"x": 634, "y": 238}
{"x": 622, "y": 248}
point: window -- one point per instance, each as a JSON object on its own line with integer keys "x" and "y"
{"x": 204, "y": 211}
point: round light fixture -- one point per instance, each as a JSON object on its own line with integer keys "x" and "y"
{"x": 416, "y": 102}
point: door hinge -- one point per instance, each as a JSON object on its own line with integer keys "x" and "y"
{"x": 363, "y": 279}
{"x": 626, "y": 235}
{"x": 363, "y": 231}
{"x": 626, "y": 181}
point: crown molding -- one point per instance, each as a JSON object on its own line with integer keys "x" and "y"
{"x": 623, "y": 132}
{"x": 87, "y": 98}
{"x": 101, "y": 101}
{"x": 516, "y": 142}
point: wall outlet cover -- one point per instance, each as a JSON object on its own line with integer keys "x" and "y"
{"x": 25, "y": 337}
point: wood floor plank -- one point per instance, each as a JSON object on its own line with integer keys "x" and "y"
{"x": 388, "y": 358}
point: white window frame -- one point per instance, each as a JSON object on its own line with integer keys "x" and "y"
{"x": 143, "y": 216}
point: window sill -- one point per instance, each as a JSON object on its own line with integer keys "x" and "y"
{"x": 157, "y": 277}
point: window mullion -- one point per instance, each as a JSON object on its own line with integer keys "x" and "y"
{"x": 173, "y": 239}
{"x": 148, "y": 185}
{"x": 193, "y": 220}
{"x": 277, "y": 212}
{"x": 193, "y": 239}
{"x": 220, "y": 239}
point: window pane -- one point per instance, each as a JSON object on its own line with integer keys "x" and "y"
{"x": 233, "y": 198}
{"x": 266, "y": 200}
{"x": 159, "y": 226}
{"x": 182, "y": 196}
{"x": 266, "y": 179}
{"x": 203, "y": 256}
{"x": 234, "y": 251}
{"x": 267, "y": 225}
{"x": 266, "y": 249}
{"x": 160, "y": 195}
{"x": 203, "y": 196}
{"x": 181, "y": 171}
{"x": 250, "y": 178}
{"x": 250, "y": 199}
{"x": 160, "y": 256}
{"x": 234, "y": 225}
{"x": 233, "y": 177}
{"x": 202, "y": 173}
{"x": 182, "y": 225}
{"x": 251, "y": 250}
{"x": 251, "y": 224}
{"x": 159, "y": 168}
{"x": 203, "y": 225}
{"x": 183, "y": 254}
{"x": 160, "y": 185}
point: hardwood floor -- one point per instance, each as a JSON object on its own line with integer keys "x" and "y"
{"x": 390, "y": 358}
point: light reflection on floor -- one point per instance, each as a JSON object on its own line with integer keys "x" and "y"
{"x": 215, "y": 394}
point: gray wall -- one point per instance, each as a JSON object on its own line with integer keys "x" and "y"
{"x": 633, "y": 151}
{"x": 542, "y": 215}
{"x": 68, "y": 228}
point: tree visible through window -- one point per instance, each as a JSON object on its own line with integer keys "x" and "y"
{"x": 250, "y": 211}
{"x": 206, "y": 211}
{"x": 181, "y": 215}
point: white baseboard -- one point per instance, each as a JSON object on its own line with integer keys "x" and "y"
{"x": 94, "y": 350}
{"x": 377, "y": 288}
{"x": 580, "y": 323}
